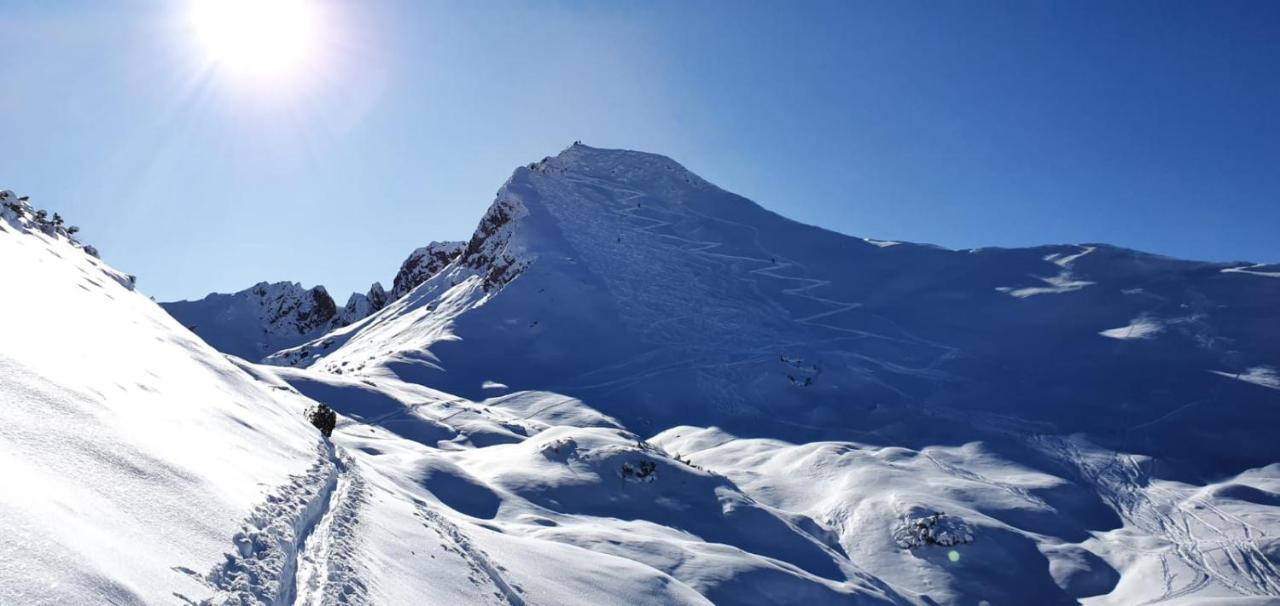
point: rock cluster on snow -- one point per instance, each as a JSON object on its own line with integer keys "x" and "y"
{"x": 17, "y": 211}
{"x": 638, "y": 471}
{"x": 935, "y": 528}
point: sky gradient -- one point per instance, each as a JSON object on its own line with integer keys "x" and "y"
{"x": 1149, "y": 125}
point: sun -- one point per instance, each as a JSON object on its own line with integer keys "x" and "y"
{"x": 266, "y": 39}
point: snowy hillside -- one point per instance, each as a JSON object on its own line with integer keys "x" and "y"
{"x": 132, "y": 452}
{"x": 623, "y": 280}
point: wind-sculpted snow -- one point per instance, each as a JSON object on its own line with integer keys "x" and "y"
{"x": 546, "y": 469}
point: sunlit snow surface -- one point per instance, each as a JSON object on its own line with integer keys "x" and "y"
{"x": 639, "y": 389}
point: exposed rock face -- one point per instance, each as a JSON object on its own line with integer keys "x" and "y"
{"x": 488, "y": 251}
{"x": 421, "y": 264}
{"x": 288, "y": 305}
{"x": 378, "y": 297}
{"x": 360, "y": 306}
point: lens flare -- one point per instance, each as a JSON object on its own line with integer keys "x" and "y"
{"x": 257, "y": 38}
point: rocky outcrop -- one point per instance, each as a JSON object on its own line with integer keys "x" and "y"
{"x": 421, "y": 265}
{"x": 360, "y": 306}
{"x": 488, "y": 251}
{"x": 18, "y": 212}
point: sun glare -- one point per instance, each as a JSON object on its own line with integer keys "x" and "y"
{"x": 268, "y": 39}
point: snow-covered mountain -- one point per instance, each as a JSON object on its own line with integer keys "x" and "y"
{"x": 623, "y": 279}
{"x": 1071, "y": 380}
{"x": 263, "y": 318}
{"x": 630, "y": 386}
{"x": 266, "y": 317}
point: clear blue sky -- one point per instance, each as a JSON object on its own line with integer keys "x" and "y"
{"x": 1150, "y": 125}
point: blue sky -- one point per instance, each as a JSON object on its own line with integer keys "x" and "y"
{"x": 1150, "y": 125}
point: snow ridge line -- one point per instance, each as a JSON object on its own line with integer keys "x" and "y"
{"x": 263, "y": 568}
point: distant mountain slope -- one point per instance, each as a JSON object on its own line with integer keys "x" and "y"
{"x": 259, "y": 320}
{"x": 622, "y": 278}
{"x": 266, "y": 317}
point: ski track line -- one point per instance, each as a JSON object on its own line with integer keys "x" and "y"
{"x": 297, "y": 543}
{"x": 1160, "y": 512}
{"x": 702, "y": 247}
{"x": 476, "y": 559}
{"x": 326, "y": 573}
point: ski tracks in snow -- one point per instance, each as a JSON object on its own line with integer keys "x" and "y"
{"x": 298, "y": 546}
{"x": 774, "y": 264}
{"x": 1223, "y": 552}
{"x": 484, "y": 572}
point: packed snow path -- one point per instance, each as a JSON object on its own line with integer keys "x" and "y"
{"x": 298, "y": 546}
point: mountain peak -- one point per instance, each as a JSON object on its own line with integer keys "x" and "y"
{"x": 622, "y": 166}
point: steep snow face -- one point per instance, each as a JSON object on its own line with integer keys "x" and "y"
{"x": 624, "y": 279}
{"x": 131, "y": 451}
{"x": 262, "y": 319}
